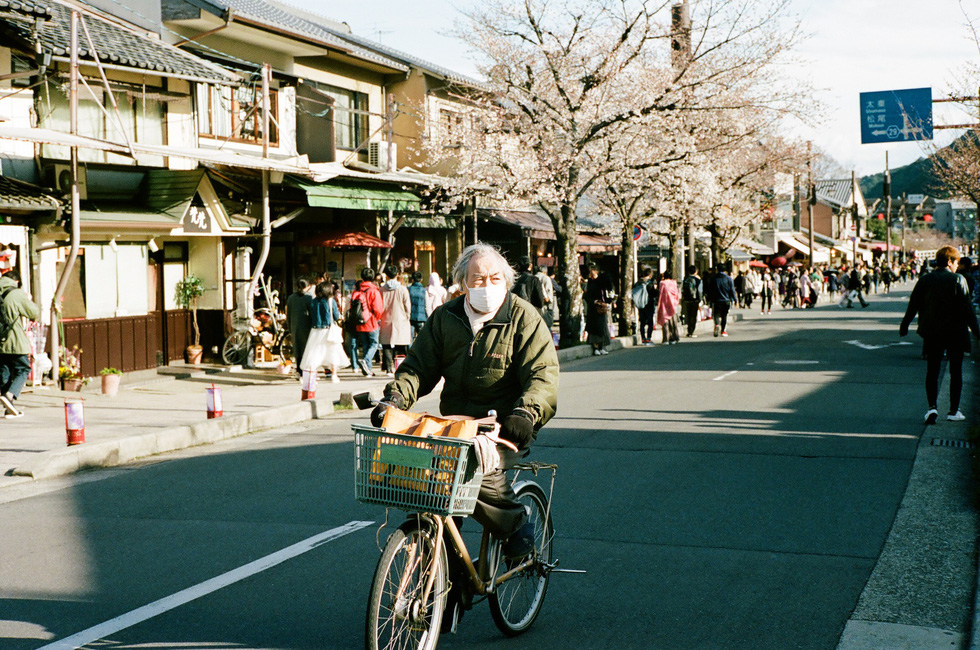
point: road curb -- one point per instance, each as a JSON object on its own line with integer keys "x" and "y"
{"x": 124, "y": 450}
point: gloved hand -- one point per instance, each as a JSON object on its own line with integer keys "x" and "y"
{"x": 518, "y": 429}
{"x": 378, "y": 414}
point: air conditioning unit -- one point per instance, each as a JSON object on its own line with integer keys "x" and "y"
{"x": 62, "y": 180}
{"x": 378, "y": 155}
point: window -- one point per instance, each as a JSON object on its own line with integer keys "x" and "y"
{"x": 236, "y": 113}
{"x": 350, "y": 126}
{"x": 139, "y": 115}
{"x": 115, "y": 281}
{"x": 451, "y": 123}
{"x": 20, "y": 63}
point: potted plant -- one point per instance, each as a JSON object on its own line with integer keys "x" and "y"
{"x": 110, "y": 381}
{"x": 70, "y": 369}
{"x": 187, "y": 292}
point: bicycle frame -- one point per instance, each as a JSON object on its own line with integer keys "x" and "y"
{"x": 479, "y": 573}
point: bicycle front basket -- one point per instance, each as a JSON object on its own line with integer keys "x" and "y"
{"x": 437, "y": 475}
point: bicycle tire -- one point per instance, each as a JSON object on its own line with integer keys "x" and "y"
{"x": 405, "y": 621}
{"x": 515, "y": 604}
{"x": 236, "y": 348}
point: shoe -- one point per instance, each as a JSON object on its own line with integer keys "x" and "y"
{"x": 724, "y": 333}
{"x": 603, "y": 351}
{"x": 365, "y": 369}
{"x": 11, "y": 411}
{"x": 335, "y": 379}
{"x": 717, "y": 330}
{"x": 389, "y": 374}
{"x": 956, "y": 417}
{"x": 596, "y": 353}
{"x": 931, "y": 416}
{"x": 520, "y": 544}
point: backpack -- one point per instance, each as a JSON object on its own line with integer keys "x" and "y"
{"x": 355, "y": 314}
{"x": 522, "y": 288}
{"x": 640, "y": 295}
{"x": 5, "y": 326}
{"x": 689, "y": 289}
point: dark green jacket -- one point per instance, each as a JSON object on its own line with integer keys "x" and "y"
{"x": 15, "y": 306}
{"x": 510, "y": 363}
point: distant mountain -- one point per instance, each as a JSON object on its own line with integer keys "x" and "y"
{"x": 914, "y": 178}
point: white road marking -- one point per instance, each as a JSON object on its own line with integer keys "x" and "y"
{"x": 727, "y": 374}
{"x": 865, "y": 346}
{"x": 795, "y": 362}
{"x": 174, "y": 601}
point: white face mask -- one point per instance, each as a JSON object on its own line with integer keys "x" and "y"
{"x": 488, "y": 299}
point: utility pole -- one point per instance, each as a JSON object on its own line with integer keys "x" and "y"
{"x": 886, "y": 190}
{"x": 680, "y": 58}
{"x": 854, "y": 216}
{"x": 390, "y": 132}
{"x": 811, "y": 198}
{"x": 902, "y": 213}
{"x": 59, "y": 292}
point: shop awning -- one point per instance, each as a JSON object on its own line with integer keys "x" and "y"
{"x": 347, "y": 240}
{"x": 350, "y": 196}
{"x": 820, "y": 254}
{"x": 429, "y": 221}
{"x": 125, "y": 219}
{"x": 739, "y": 255}
{"x": 597, "y": 244}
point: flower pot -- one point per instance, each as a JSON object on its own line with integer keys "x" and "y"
{"x": 110, "y": 384}
{"x": 72, "y": 384}
{"x": 193, "y": 354}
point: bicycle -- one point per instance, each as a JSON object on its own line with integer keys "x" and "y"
{"x": 436, "y": 479}
{"x": 264, "y": 329}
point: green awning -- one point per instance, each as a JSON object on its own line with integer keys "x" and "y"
{"x": 359, "y": 197}
{"x": 442, "y": 223}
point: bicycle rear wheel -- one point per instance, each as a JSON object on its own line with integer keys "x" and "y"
{"x": 398, "y": 614}
{"x": 236, "y": 348}
{"x": 286, "y": 349}
{"x": 515, "y": 604}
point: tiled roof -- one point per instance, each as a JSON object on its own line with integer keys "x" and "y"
{"x": 26, "y": 7}
{"x": 119, "y": 46}
{"x": 297, "y": 22}
{"x": 18, "y": 195}
{"x": 835, "y": 192}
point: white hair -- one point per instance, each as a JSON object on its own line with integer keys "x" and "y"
{"x": 480, "y": 251}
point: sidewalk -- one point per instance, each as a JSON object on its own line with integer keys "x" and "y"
{"x": 163, "y": 410}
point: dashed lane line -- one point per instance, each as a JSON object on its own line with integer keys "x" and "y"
{"x": 174, "y": 601}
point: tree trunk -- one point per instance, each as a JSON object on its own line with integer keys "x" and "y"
{"x": 677, "y": 250}
{"x": 569, "y": 277}
{"x": 626, "y": 280}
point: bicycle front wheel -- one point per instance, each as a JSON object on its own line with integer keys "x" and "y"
{"x": 286, "y": 349}
{"x": 235, "y": 350}
{"x": 399, "y": 614}
{"x": 516, "y": 603}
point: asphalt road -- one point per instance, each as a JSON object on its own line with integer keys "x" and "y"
{"x": 721, "y": 493}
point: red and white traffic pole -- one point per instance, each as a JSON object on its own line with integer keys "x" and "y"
{"x": 214, "y": 402}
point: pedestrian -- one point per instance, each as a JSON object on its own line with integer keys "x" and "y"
{"x": 492, "y": 354}
{"x": 965, "y": 268}
{"x": 299, "y": 318}
{"x": 645, "y": 301}
{"x": 598, "y": 304}
{"x": 364, "y": 321}
{"x": 832, "y": 286}
{"x": 435, "y": 294}
{"x": 417, "y": 293}
{"x": 692, "y": 292}
{"x": 667, "y": 309}
{"x": 751, "y": 287}
{"x": 855, "y": 283}
{"x": 396, "y": 328}
{"x": 326, "y": 340}
{"x": 942, "y": 301}
{"x": 548, "y": 290}
{"x": 527, "y": 285}
{"x": 724, "y": 297}
{"x": 767, "y": 288}
{"x": 15, "y": 348}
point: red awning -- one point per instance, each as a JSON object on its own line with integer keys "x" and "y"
{"x": 349, "y": 240}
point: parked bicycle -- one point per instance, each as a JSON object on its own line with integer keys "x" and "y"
{"x": 265, "y": 329}
{"x": 436, "y": 479}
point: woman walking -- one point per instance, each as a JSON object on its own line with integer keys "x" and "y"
{"x": 325, "y": 346}
{"x": 435, "y": 294}
{"x": 669, "y": 301}
{"x": 767, "y": 287}
{"x": 396, "y": 327}
{"x": 598, "y": 303}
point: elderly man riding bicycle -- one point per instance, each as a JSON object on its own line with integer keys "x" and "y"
{"x": 496, "y": 354}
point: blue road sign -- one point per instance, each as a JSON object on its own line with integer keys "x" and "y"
{"x": 896, "y": 115}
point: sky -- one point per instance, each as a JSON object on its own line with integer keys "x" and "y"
{"x": 854, "y": 46}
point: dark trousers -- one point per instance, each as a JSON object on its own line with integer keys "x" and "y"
{"x": 934, "y": 358}
{"x": 416, "y": 327}
{"x": 388, "y": 353}
{"x": 689, "y": 308}
{"x": 721, "y": 314}
{"x": 646, "y": 322}
{"x": 497, "y": 508}
{"x": 14, "y": 370}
